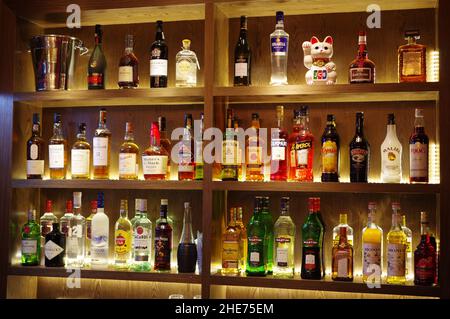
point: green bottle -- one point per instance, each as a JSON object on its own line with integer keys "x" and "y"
{"x": 267, "y": 219}
{"x": 31, "y": 241}
{"x": 256, "y": 249}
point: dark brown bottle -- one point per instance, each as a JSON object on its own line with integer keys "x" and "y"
{"x": 35, "y": 151}
{"x": 97, "y": 63}
{"x": 55, "y": 246}
{"x": 242, "y": 57}
{"x": 163, "y": 240}
{"x": 158, "y": 59}
{"x": 359, "y": 153}
{"x": 330, "y": 151}
{"x": 128, "y": 66}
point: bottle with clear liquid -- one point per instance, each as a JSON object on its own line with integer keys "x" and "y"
{"x": 284, "y": 235}
{"x": 279, "y": 44}
{"x": 372, "y": 244}
{"x": 391, "y": 154}
{"x": 100, "y": 236}
{"x": 142, "y": 237}
{"x": 65, "y": 219}
{"x": 396, "y": 249}
{"x": 186, "y": 66}
{"x": 187, "y": 249}
{"x": 409, "y": 250}
{"x": 336, "y": 230}
{"x": 75, "y": 242}
{"x": 122, "y": 238}
{"x": 87, "y": 245}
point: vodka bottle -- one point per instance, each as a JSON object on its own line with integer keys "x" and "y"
{"x": 100, "y": 235}
{"x": 279, "y": 44}
{"x": 75, "y": 242}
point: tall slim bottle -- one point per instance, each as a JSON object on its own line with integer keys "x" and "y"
{"x": 64, "y": 222}
{"x": 359, "y": 153}
{"x": 418, "y": 151}
{"x": 391, "y": 154}
{"x": 409, "y": 248}
{"x": 187, "y": 249}
{"x": 46, "y": 225}
{"x": 57, "y": 150}
{"x": 230, "y": 246}
{"x": 81, "y": 155}
{"x": 284, "y": 242}
{"x": 75, "y": 242}
{"x": 243, "y": 243}
{"x": 163, "y": 240}
{"x": 102, "y": 148}
{"x": 254, "y": 152}
{"x": 35, "y": 151}
{"x": 186, "y": 163}
{"x": 100, "y": 236}
{"x": 279, "y": 44}
{"x": 279, "y": 149}
{"x": 372, "y": 246}
{"x": 229, "y": 151}
{"x": 256, "y": 234}
{"x": 128, "y": 66}
{"x": 122, "y": 238}
{"x": 198, "y": 151}
{"x": 242, "y": 57}
{"x": 312, "y": 240}
{"x": 142, "y": 237}
{"x": 93, "y": 208}
{"x": 330, "y": 151}
{"x": 267, "y": 220}
{"x": 158, "y": 59}
{"x": 396, "y": 249}
{"x": 97, "y": 63}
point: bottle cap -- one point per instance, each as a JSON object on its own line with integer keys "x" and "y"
{"x": 391, "y": 118}
{"x": 330, "y": 118}
{"x": 311, "y": 204}
{"x": 48, "y": 206}
{"x": 165, "y": 202}
{"x": 423, "y": 217}
{"x": 304, "y": 110}
{"x": 187, "y": 120}
{"x": 141, "y": 204}
{"x": 280, "y": 110}
{"x": 100, "y": 200}
{"x": 186, "y": 43}
{"x": 255, "y": 116}
{"x": 32, "y": 214}
{"x": 56, "y": 118}
{"x": 284, "y": 203}
{"x": 36, "y": 118}
{"x": 93, "y": 205}
{"x": 98, "y": 30}
{"x": 82, "y": 128}
{"x": 77, "y": 199}
{"x": 316, "y": 204}
{"x": 280, "y": 16}
{"x": 396, "y": 205}
{"x": 412, "y": 34}
{"x": 187, "y": 205}
{"x": 419, "y": 112}
{"x": 372, "y": 205}
{"x": 159, "y": 23}
{"x": 243, "y": 22}
{"x": 129, "y": 127}
{"x": 161, "y": 123}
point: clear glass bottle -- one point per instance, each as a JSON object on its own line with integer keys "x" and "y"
{"x": 267, "y": 220}
{"x": 128, "y": 66}
{"x": 396, "y": 249}
{"x": 75, "y": 241}
{"x": 128, "y": 155}
{"x": 284, "y": 235}
{"x": 57, "y": 150}
{"x": 142, "y": 237}
{"x": 229, "y": 151}
{"x": 279, "y": 44}
{"x": 186, "y": 66}
{"x": 93, "y": 207}
{"x": 187, "y": 249}
{"x": 102, "y": 148}
{"x": 35, "y": 151}
{"x": 243, "y": 240}
{"x": 100, "y": 236}
{"x": 409, "y": 250}
{"x": 155, "y": 159}
{"x": 391, "y": 154}
{"x": 31, "y": 241}
{"x": 412, "y": 59}
{"x": 230, "y": 247}
{"x": 64, "y": 222}
{"x": 81, "y": 155}
{"x": 122, "y": 238}
{"x": 372, "y": 245}
{"x": 336, "y": 230}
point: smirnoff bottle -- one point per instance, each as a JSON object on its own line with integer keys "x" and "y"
{"x": 391, "y": 154}
{"x": 279, "y": 43}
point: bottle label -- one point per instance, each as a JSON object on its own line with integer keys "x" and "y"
{"x": 34, "y": 152}
{"x": 230, "y": 254}
{"x": 198, "y": 152}
{"x": 342, "y": 264}
{"x": 46, "y": 227}
{"x": 125, "y": 74}
{"x": 163, "y": 248}
{"x": 240, "y": 69}
{"x": 254, "y": 155}
{"x": 154, "y": 165}
{"x": 52, "y": 250}
{"x": 279, "y": 46}
{"x": 329, "y": 157}
{"x": 425, "y": 269}
{"x": 99, "y": 246}
{"x": 310, "y": 262}
{"x": 371, "y": 256}
{"x": 300, "y": 154}
{"x": 95, "y": 79}
{"x": 80, "y": 161}
{"x": 255, "y": 248}
{"x": 361, "y": 75}
{"x": 141, "y": 241}
{"x": 76, "y": 231}
{"x": 185, "y": 158}
{"x": 412, "y": 63}
{"x": 71, "y": 246}
{"x": 127, "y": 164}
{"x": 418, "y": 159}
{"x": 391, "y": 162}
{"x": 100, "y": 151}
{"x": 29, "y": 246}
{"x": 230, "y": 152}
{"x": 158, "y": 67}
{"x": 56, "y": 156}
{"x": 282, "y": 257}
{"x": 255, "y": 258}
{"x": 278, "y": 146}
{"x": 396, "y": 260}
{"x": 186, "y": 71}
{"x": 358, "y": 158}
{"x": 35, "y": 167}
{"x": 122, "y": 241}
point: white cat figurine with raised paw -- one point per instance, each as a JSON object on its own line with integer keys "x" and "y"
{"x": 318, "y": 60}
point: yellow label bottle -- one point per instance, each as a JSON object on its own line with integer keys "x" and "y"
{"x": 372, "y": 248}
{"x": 122, "y": 238}
{"x": 396, "y": 250}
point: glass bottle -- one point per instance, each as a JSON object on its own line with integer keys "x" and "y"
{"x": 31, "y": 241}
{"x": 229, "y": 151}
{"x": 362, "y": 69}
{"x": 284, "y": 241}
{"x": 97, "y": 63}
{"x": 142, "y": 237}
{"x": 256, "y": 235}
{"x": 372, "y": 246}
{"x": 337, "y": 231}
{"x": 409, "y": 250}
{"x": 100, "y": 236}
{"x": 55, "y": 246}
{"x": 359, "y": 153}
{"x": 254, "y": 151}
{"x": 128, "y": 66}
{"x": 163, "y": 240}
{"x": 267, "y": 219}
{"x": 81, "y": 155}
{"x": 242, "y": 57}
{"x": 89, "y": 231}
{"x": 46, "y": 221}
{"x": 75, "y": 241}
{"x": 243, "y": 243}
{"x": 279, "y": 149}
{"x": 412, "y": 59}
{"x": 391, "y": 154}
{"x": 396, "y": 249}
{"x": 330, "y": 152}
{"x": 128, "y": 155}
{"x": 102, "y": 148}
{"x": 64, "y": 222}
{"x": 342, "y": 263}
{"x": 198, "y": 160}
{"x": 240, "y": 150}
{"x": 425, "y": 256}
{"x": 155, "y": 159}
{"x": 231, "y": 258}
{"x": 418, "y": 151}
{"x": 35, "y": 151}
{"x": 122, "y": 238}
{"x": 166, "y": 143}
{"x": 186, "y": 152}
{"x": 279, "y": 44}
{"x": 158, "y": 58}
{"x": 187, "y": 249}
{"x": 57, "y": 150}
{"x": 186, "y": 66}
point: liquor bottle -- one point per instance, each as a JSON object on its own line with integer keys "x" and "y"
{"x": 337, "y": 230}
{"x": 102, "y": 148}
{"x": 46, "y": 224}
{"x": 128, "y": 155}
{"x": 186, "y": 152}
{"x": 89, "y": 232}
{"x": 64, "y": 222}
{"x": 163, "y": 240}
{"x": 409, "y": 250}
{"x": 396, "y": 249}
{"x": 186, "y": 66}
{"x": 425, "y": 256}
{"x": 128, "y": 66}
{"x": 242, "y": 57}
{"x": 362, "y": 69}
{"x": 81, "y": 155}
{"x": 342, "y": 263}
{"x": 35, "y": 151}
{"x": 243, "y": 243}
{"x": 57, "y": 150}
{"x": 155, "y": 159}
{"x": 240, "y": 150}
{"x": 187, "y": 250}
{"x": 284, "y": 234}
{"x": 412, "y": 59}
{"x": 256, "y": 235}
{"x": 418, "y": 151}
{"x": 301, "y": 148}
{"x": 55, "y": 246}
{"x": 330, "y": 151}
{"x": 165, "y": 142}
{"x": 31, "y": 241}
{"x": 267, "y": 220}
{"x": 279, "y": 43}
{"x": 122, "y": 238}
{"x": 279, "y": 149}
{"x": 359, "y": 153}
{"x": 372, "y": 245}
{"x": 100, "y": 235}
{"x": 75, "y": 240}
{"x": 97, "y": 63}
{"x": 159, "y": 53}
{"x": 229, "y": 151}
{"x": 231, "y": 258}
{"x": 254, "y": 169}
{"x": 319, "y": 217}
{"x": 391, "y": 154}
{"x": 198, "y": 151}
{"x": 312, "y": 239}
{"x": 142, "y": 237}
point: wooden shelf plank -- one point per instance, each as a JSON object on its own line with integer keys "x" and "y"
{"x": 324, "y": 285}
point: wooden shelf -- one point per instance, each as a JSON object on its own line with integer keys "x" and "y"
{"x": 116, "y": 97}
{"x": 107, "y": 184}
{"x": 324, "y": 285}
{"x": 328, "y": 187}
{"x": 42, "y": 271}
{"x": 331, "y": 93}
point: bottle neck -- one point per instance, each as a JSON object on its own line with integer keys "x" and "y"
{"x": 98, "y": 40}
{"x": 129, "y": 136}
{"x": 371, "y": 217}
{"x": 57, "y": 129}
{"x": 163, "y": 212}
{"x": 359, "y": 127}
{"x": 243, "y": 35}
{"x": 391, "y": 130}
{"x": 362, "y": 50}
{"x": 396, "y": 220}
{"x": 159, "y": 34}
{"x": 279, "y": 25}
{"x": 187, "y": 236}
{"x": 342, "y": 235}
{"x": 36, "y": 130}
{"x": 304, "y": 123}
{"x": 343, "y": 219}
{"x": 280, "y": 121}
{"x": 419, "y": 124}
{"x": 411, "y": 40}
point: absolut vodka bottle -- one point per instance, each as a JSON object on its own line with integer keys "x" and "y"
{"x": 279, "y": 44}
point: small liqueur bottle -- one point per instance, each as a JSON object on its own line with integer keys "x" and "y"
{"x": 418, "y": 151}
{"x": 256, "y": 234}
{"x": 142, "y": 237}
{"x": 412, "y": 59}
{"x": 198, "y": 137}
{"x": 128, "y": 155}
{"x": 100, "y": 236}
{"x": 64, "y": 222}
{"x": 391, "y": 154}
{"x": 372, "y": 246}
{"x": 284, "y": 236}
{"x": 128, "y": 66}
{"x": 279, "y": 44}
{"x": 359, "y": 153}
{"x": 187, "y": 249}
{"x": 409, "y": 250}
{"x": 229, "y": 151}
{"x": 35, "y": 151}
{"x": 330, "y": 151}
{"x": 75, "y": 240}
{"x": 55, "y": 246}
{"x": 97, "y": 63}
{"x": 231, "y": 258}
{"x": 165, "y": 142}
{"x": 186, "y": 163}
{"x": 254, "y": 169}
{"x": 122, "y": 238}
{"x": 396, "y": 249}
{"x": 362, "y": 70}
{"x": 301, "y": 148}
{"x": 102, "y": 148}
{"x": 31, "y": 241}
{"x": 57, "y": 150}
{"x": 186, "y": 66}
{"x": 89, "y": 231}
{"x": 342, "y": 263}
{"x": 159, "y": 53}
{"x": 80, "y": 155}
{"x": 336, "y": 230}
{"x": 163, "y": 240}
{"x": 425, "y": 256}
{"x": 242, "y": 57}
{"x": 155, "y": 159}
{"x": 279, "y": 149}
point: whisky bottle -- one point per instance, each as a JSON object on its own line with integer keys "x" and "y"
{"x": 342, "y": 263}
{"x": 409, "y": 246}
{"x": 165, "y": 142}
{"x": 279, "y": 44}
{"x": 391, "y": 154}
{"x": 186, "y": 66}
{"x": 372, "y": 247}
{"x": 100, "y": 236}
{"x": 254, "y": 151}
{"x": 412, "y": 59}
{"x": 155, "y": 159}
{"x": 159, "y": 53}
{"x": 102, "y": 148}
{"x": 163, "y": 240}
{"x": 229, "y": 151}
{"x": 396, "y": 249}
{"x": 97, "y": 63}
{"x": 425, "y": 255}
{"x": 55, "y": 246}
{"x": 57, "y": 150}
{"x": 337, "y": 230}
{"x": 186, "y": 151}
{"x": 198, "y": 160}
{"x": 142, "y": 237}
{"x": 418, "y": 151}
{"x": 257, "y": 243}
{"x": 359, "y": 153}
{"x": 362, "y": 70}
{"x": 330, "y": 152}
{"x": 242, "y": 57}
{"x": 187, "y": 249}
{"x": 89, "y": 231}
{"x": 231, "y": 259}
{"x": 128, "y": 155}
{"x": 128, "y": 66}
{"x": 81, "y": 155}
{"x": 31, "y": 241}
{"x": 122, "y": 238}
{"x": 279, "y": 149}
{"x": 35, "y": 151}
{"x": 284, "y": 241}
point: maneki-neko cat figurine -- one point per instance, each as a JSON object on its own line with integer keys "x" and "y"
{"x": 318, "y": 60}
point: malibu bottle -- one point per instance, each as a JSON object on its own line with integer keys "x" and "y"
{"x": 359, "y": 153}
{"x": 256, "y": 234}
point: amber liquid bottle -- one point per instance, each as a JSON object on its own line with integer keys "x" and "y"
{"x": 165, "y": 143}
{"x": 57, "y": 149}
{"x": 229, "y": 151}
{"x": 362, "y": 70}
{"x": 102, "y": 148}
{"x": 330, "y": 151}
{"x": 155, "y": 159}
{"x": 35, "y": 151}
{"x": 128, "y": 66}
{"x": 342, "y": 267}
{"x": 128, "y": 156}
{"x": 163, "y": 240}
{"x": 81, "y": 155}
{"x": 412, "y": 59}
{"x": 254, "y": 149}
